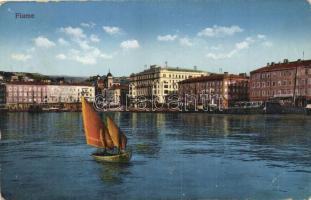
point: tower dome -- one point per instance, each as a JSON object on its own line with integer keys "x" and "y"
{"x": 109, "y": 74}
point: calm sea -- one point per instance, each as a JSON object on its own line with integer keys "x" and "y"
{"x": 175, "y": 156}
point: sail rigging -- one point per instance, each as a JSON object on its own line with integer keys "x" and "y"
{"x": 118, "y": 138}
{"x": 97, "y": 133}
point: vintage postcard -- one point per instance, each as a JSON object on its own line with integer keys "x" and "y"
{"x": 138, "y": 99}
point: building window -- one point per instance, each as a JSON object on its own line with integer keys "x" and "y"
{"x": 263, "y": 84}
{"x": 283, "y": 82}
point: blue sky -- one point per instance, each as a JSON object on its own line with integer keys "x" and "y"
{"x": 88, "y": 38}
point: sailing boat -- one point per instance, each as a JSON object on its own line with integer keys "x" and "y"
{"x": 107, "y": 136}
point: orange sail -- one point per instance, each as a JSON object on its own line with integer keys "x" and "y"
{"x": 118, "y": 138}
{"x": 95, "y": 131}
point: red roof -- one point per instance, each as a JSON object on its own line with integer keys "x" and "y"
{"x": 124, "y": 87}
{"x": 100, "y": 81}
{"x": 213, "y": 77}
{"x": 283, "y": 66}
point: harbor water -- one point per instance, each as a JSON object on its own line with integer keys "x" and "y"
{"x": 175, "y": 156}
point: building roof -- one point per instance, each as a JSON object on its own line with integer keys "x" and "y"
{"x": 282, "y": 66}
{"x": 109, "y": 74}
{"x": 178, "y": 69}
{"x": 124, "y": 87}
{"x": 100, "y": 81}
{"x": 43, "y": 83}
{"x": 181, "y": 69}
{"x": 213, "y": 77}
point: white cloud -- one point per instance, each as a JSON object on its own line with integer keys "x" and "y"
{"x": 62, "y": 41}
{"x": 84, "y": 44}
{"x": 112, "y": 30}
{"x": 242, "y": 45}
{"x": 77, "y": 33}
{"x": 88, "y": 25}
{"x": 61, "y": 56}
{"x": 219, "y": 31}
{"x": 94, "y": 38}
{"x": 89, "y": 57}
{"x": 30, "y": 50}
{"x": 261, "y": 36}
{"x": 217, "y": 47}
{"x": 245, "y": 44}
{"x": 129, "y": 44}
{"x": 21, "y": 57}
{"x": 267, "y": 44}
{"x": 85, "y": 53}
{"x": 309, "y": 1}
{"x": 106, "y": 56}
{"x": 167, "y": 37}
{"x": 219, "y": 56}
{"x": 264, "y": 41}
{"x": 85, "y": 57}
{"x": 185, "y": 42}
{"x": 43, "y": 42}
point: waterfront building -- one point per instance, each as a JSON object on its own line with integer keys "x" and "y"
{"x": 105, "y": 82}
{"x": 223, "y": 90}
{"x": 20, "y": 95}
{"x": 160, "y": 81}
{"x": 287, "y": 81}
{"x": 25, "y": 93}
{"x": 117, "y": 94}
{"x": 69, "y": 93}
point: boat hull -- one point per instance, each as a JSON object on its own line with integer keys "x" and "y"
{"x": 117, "y": 158}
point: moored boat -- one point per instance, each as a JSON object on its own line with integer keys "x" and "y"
{"x": 104, "y": 135}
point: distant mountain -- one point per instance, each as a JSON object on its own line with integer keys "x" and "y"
{"x": 69, "y": 79}
{"x": 38, "y": 76}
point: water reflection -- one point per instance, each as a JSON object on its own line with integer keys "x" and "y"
{"x": 114, "y": 173}
{"x": 271, "y": 138}
{"x": 144, "y": 130}
{"x": 60, "y": 127}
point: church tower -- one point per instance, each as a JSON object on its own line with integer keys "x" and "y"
{"x": 109, "y": 80}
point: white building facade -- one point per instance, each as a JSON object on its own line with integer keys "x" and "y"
{"x": 160, "y": 81}
{"x": 69, "y": 93}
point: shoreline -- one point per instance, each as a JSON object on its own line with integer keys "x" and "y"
{"x": 299, "y": 111}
